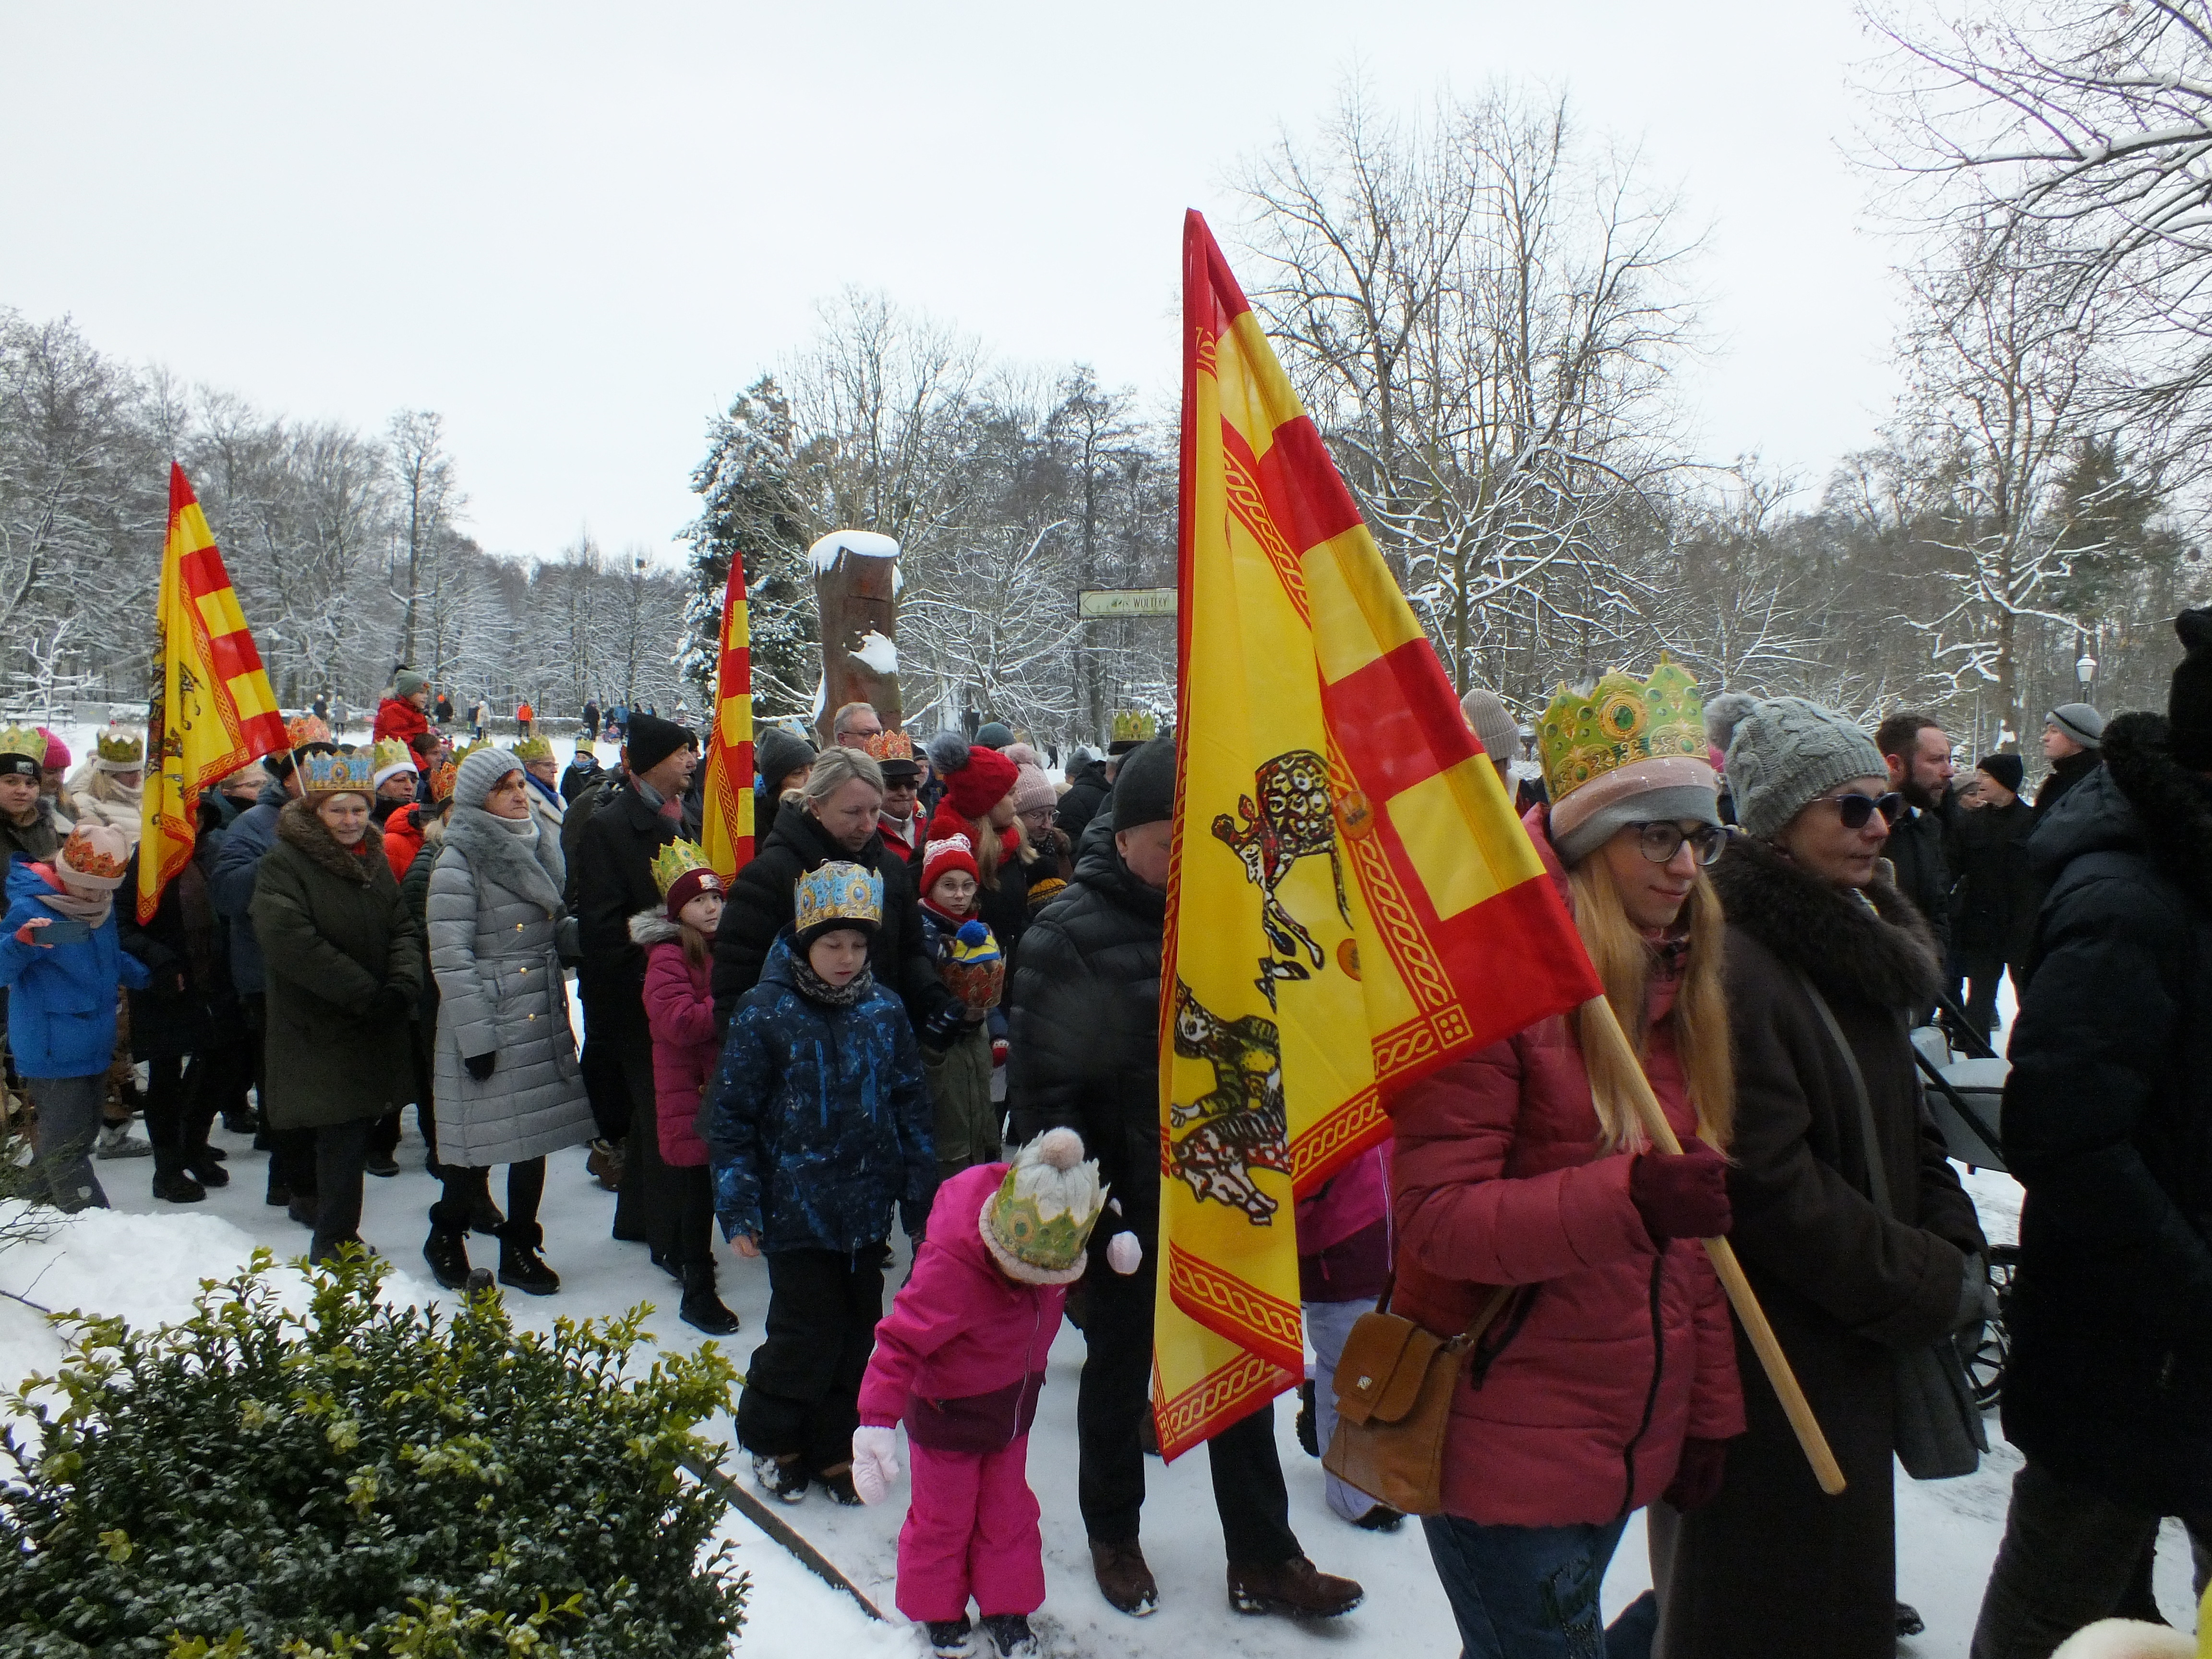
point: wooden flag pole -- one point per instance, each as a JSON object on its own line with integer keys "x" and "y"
{"x": 1775, "y": 1364}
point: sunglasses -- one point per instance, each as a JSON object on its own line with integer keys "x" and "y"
{"x": 1856, "y": 810}
{"x": 1660, "y": 842}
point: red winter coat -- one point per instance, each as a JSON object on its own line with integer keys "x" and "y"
{"x": 1590, "y": 1380}
{"x": 396, "y": 717}
{"x": 679, "y": 1007}
{"x": 403, "y": 838}
{"x": 960, "y": 1357}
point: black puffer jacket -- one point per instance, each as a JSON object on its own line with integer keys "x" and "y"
{"x": 2062, "y": 777}
{"x": 1994, "y": 890}
{"x": 2108, "y": 1124}
{"x": 1086, "y": 797}
{"x": 760, "y": 906}
{"x": 1084, "y": 1012}
{"x": 1915, "y": 848}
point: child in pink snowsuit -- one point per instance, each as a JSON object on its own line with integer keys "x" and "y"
{"x": 960, "y": 1359}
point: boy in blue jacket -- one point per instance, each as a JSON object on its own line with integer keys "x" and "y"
{"x": 62, "y": 963}
{"x": 819, "y": 1123}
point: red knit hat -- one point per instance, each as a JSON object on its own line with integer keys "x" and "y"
{"x": 953, "y": 853}
{"x": 976, "y": 779}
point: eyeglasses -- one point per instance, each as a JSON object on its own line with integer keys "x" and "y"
{"x": 1855, "y": 809}
{"x": 1661, "y": 841}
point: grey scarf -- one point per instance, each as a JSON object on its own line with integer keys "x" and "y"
{"x": 815, "y": 988}
{"x": 529, "y": 865}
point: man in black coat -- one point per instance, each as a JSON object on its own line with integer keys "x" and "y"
{"x": 1088, "y": 786}
{"x": 1996, "y": 893}
{"x": 2071, "y": 735}
{"x": 1084, "y": 1010}
{"x": 1918, "y": 754}
{"x": 2108, "y": 1125}
{"x": 610, "y": 875}
{"x": 828, "y": 829}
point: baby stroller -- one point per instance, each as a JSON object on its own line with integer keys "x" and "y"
{"x": 1964, "y": 1092}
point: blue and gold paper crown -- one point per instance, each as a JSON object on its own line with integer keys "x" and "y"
{"x": 838, "y": 893}
{"x": 335, "y": 774}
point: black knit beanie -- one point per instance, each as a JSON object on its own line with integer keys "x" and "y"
{"x": 2189, "y": 704}
{"x": 651, "y": 740}
{"x": 2007, "y": 770}
{"x": 778, "y": 752}
{"x": 1144, "y": 789}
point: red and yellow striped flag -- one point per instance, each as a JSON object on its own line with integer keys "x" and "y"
{"x": 212, "y": 710}
{"x": 726, "y": 828}
{"x": 1353, "y": 902}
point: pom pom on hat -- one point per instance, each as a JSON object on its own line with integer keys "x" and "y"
{"x": 1061, "y": 1148}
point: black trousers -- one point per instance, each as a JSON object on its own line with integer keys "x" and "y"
{"x": 691, "y": 1188}
{"x": 461, "y": 1186}
{"x": 386, "y": 1138}
{"x": 803, "y": 1388}
{"x": 610, "y": 1012}
{"x": 180, "y": 1108}
{"x": 1111, "y": 1404}
{"x": 341, "y": 1151}
{"x": 1981, "y": 970}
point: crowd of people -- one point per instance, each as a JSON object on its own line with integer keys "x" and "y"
{"x": 932, "y": 1000}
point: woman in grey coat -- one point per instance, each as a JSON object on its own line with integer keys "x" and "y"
{"x": 507, "y": 1084}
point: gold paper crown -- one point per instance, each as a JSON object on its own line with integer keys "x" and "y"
{"x": 838, "y": 892}
{"x": 676, "y": 860}
{"x": 1618, "y": 722}
{"x": 333, "y": 775}
{"x": 469, "y": 748}
{"x": 87, "y": 859}
{"x": 304, "y": 729}
{"x": 442, "y": 778}
{"x": 390, "y": 751}
{"x": 1045, "y": 1207}
{"x": 889, "y": 746}
{"x": 23, "y": 740}
{"x": 533, "y": 748}
{"x": 1136, "y": 727}
{"x": 118, "y": 748}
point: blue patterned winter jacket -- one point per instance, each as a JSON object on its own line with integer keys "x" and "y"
{"x": 820, "y": 1118}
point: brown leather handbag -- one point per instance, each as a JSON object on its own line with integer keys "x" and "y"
{"x": 1393, "y": 1393}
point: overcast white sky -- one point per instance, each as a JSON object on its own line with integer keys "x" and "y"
{"x": 577, "y": 230}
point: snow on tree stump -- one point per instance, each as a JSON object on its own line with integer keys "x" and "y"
{"x": 856, "y": 582}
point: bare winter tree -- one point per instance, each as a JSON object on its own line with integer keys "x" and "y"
{"x": 1481, "y": 313}
{"x": 427, "y": 499}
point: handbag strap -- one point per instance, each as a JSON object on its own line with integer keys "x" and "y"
{"x": 1485, "y": 1316}
{"x": 1877, "y": 1171}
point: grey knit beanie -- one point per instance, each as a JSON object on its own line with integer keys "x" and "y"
{"x": 2080, "y": 721}
{"x": 1785, "y": 751}
{"x": 480, "y": 774}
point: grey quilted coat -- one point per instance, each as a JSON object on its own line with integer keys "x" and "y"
{"x": 496, "y": 927}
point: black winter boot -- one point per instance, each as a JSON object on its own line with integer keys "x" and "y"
{"x": 206, "y": 1168}
{"x": 520, "y": 1264}
{"x": 172, "y": 1182}
{"x": 702, "y": 1308}
{"x": 447, "y": 1250}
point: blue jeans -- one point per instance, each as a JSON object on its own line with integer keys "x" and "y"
{"x": 1524, "y": 1592}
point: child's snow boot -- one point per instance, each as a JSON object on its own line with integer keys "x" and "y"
{"x": 1011, "y": 1634}
{"x": 950, "y": 1639}
{"x": 520, "y": 1264}
{"x": 702, "y": 1308}
{"x": 781, "y": 1478}
{"x": 837, "y": 1481}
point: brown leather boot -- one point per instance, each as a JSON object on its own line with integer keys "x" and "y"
{"x": 1124, "y": 1579}
{"x": 1295, "y": 1586}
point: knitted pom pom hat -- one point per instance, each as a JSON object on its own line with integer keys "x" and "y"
{"x": 975, "y": 778}
{"x": 1036, "y": 1224}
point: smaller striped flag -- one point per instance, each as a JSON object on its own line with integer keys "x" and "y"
{"x": 725, "y": 829}
{"x": 212, "y": 710}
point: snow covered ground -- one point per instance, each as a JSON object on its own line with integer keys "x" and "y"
{"x": 132, "y": 1263}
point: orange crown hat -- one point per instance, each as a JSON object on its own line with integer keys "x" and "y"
{"x": 305, "y": 729}
{"x": 441, "y": 780}
{"x": 93, "y": 856}
{"x": 889, "y": 746}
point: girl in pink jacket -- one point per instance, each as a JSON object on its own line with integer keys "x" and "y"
{"x": 1608, "y": 1380}
{"x": 679, "y": 955}
{"x": 960, "y": 1359}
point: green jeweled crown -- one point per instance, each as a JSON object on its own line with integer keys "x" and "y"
{"x": 1042, "y": 1214}
{"x": 533, "y": 749}
{"x": 676, "y": 860}
{"x": 390, "y": 751}
{"x": 120, "y": 751}
{"x": 1618, "y": 722}
{"x": 333, "y": 775}
{"x": 1136, "y": 727}
{"x": 23, "y": 740}
{"x": 838, "y": 892}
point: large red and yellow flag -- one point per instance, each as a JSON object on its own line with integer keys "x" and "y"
{"x": 212, "y": 710}
{"x": 726, "y": 828}
{"x": 1353, "y": 902}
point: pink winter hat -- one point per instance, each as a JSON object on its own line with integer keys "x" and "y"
{"x": 1033, "y": 788}
{"x": 58, "y": 754}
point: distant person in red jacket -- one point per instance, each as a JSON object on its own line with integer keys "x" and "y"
{"x": 523, "y": 715}
{"x": 402, "y": 714}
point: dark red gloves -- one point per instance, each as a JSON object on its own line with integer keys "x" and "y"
{"x": 1698, "y": 1477}
{"x": 1684, "y": 1197}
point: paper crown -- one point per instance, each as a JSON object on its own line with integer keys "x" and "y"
{"x": 469, "y": 748}
{"x": 1135, "y": 728}
{"x": 82, "y": 854}
{"x": 1038, "y": 1221}
{"x": 336, "y": 775}
{"x": 533, "y": 748}
{"x": 392, "y": 753}
{"x": 1620, "y": 721}
{"x": 836, "y": 893}
{"x": 118, "y": 751}
{"x": 676, "y": 860}
{"x": 443, "y": 776}
{"x": 889, "y": 746}
{"x": 23, "y": 740}
{"x": 304, "y": 729}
